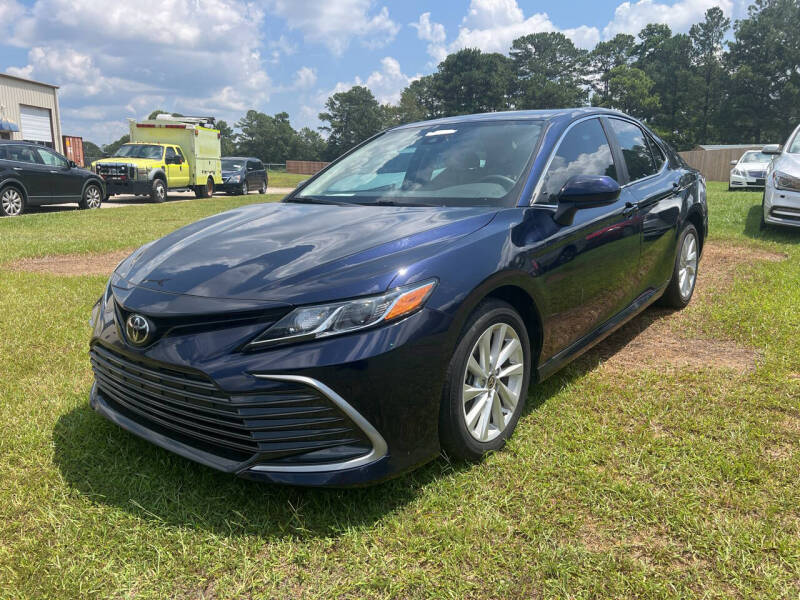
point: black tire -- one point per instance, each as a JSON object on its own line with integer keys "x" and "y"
{"x": 12, "y": 201}
{"x": 205, "y": 191}
{"x": 263, "y": 188}
{"x": 244, "y": 191}
{"x": 158, "y": 191}
{"x": 92, "y": 197}
{"x": 454, "y": 435}
{"x": 762, "y": 224}
{"x": 673, "y": 296}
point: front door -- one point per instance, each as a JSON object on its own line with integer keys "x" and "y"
{"x": 587, "y": 266}
{"x": 66, "y": 183}
{"x": 177, "y": 169}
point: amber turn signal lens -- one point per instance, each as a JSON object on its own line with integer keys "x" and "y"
{"x": 409, "y": 301}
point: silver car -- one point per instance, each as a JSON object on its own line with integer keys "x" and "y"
{"x": 781, "y": 204}
{"x": 749, "y": 171}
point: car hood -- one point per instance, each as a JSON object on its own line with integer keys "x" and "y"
{"x": 296, "y": 253}
{"x": 788, "y": 163}
{"x": 761, "y": 166}
{"x": 124, "y": 160}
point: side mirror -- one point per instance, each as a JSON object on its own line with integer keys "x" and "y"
{"x": 584, "y": 191}
{"x": 771, "y": 149}
{"x": 301, "y": 184}
{"x": 734, "y": 163}
{"x": 72, "y": 164}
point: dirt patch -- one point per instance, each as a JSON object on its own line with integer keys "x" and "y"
{"x": 71, "y": 265}
{"x": 655, "y": 337}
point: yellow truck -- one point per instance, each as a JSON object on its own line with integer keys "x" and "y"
{"x": 165, "y": 153}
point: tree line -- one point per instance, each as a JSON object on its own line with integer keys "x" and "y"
{"x": 720, "y": 83}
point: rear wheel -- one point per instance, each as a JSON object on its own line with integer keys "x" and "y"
{"x": 12, "y": 202}
{"x": 92, "y": 197}
{"x": 684, "y": 274}
{"x": 158, "y": 191}
{"x": 486, "y": 382}
{"x": 205, "y": 191}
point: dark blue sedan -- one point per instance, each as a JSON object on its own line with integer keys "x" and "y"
{"x": 402, "y": 300}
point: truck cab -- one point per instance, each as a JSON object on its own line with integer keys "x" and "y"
{"x": 172, "y": 153}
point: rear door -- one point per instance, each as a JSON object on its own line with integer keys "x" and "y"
{"x": 588, "y": 265}
{"x": 253, "y": 177}
{"x": 66, "y": 183}
{"x": 655, "y": 188}
{"x": 31, "y": 170}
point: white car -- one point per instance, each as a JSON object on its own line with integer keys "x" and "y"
{"x": 749, "y": 171}
{"x": 781, "y": 204}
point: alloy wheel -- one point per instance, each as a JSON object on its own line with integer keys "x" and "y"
{"x": 161, "y": 190}
{"x": 493, "y": 381}
{"x": 687, "y": 265}
{"x": 93, "y": 198}
{"x": 244, "y": 189}
{"x": 11, "y": 202}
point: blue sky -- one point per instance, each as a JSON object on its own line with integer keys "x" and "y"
{"x": 222, "y": 57}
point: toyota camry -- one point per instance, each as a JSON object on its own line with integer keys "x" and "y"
{"x": 400, "y": 302}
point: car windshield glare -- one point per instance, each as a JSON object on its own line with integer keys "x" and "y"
{"x": 457, "y": 164}
{"x": 232, "y": 165}
{"x": 755, "y": 157}
{"x": 794, "y": 147}
{"x": 139, "y": 151}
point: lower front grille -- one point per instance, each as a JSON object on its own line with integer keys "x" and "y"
{"x": 285, "y": 422}
{"x": 786, "y": 212}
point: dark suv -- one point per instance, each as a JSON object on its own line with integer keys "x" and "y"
{"x": 242, "y": 174}
{"x": 32, "y": 175}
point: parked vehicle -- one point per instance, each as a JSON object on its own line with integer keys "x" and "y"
{"x": 353, "y": 330}
{"x": 242, "y": 174}
{"x": 750, "y": 171}
{"x": 166, "y": 153}
{"x": 781, "y": 201}
{"x": 32, "y": 175}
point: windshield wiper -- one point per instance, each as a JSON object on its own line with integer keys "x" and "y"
{"x": 316, "y": 200}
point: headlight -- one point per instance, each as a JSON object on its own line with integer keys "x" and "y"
{"x": 738, "y": 173}
{"x": 235, "y": 178}
{"x": 323, "y": 320}
{"x": 784, "y": 181}
{"x": 99, "y": 306}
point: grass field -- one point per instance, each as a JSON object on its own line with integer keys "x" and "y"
{"x": 282, "y": 179}
{"x": 629, "y": 476}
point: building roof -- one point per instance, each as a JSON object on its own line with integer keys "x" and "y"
{"x": 50, "y": 85}
{"x": 727, "y": 146}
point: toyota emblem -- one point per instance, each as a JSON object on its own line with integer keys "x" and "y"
{"x": 137, "y": 328}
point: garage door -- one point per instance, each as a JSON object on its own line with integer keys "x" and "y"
{"x": 35, "y": 124}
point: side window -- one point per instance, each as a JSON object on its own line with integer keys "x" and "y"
{"x": 635, "y": 149}
{"x": 3, "y": 153}
{"x": 251, "y": 166}
{"x": 180, "y": 153}
{"x": 52, "y": 159}
{"x": 170, "y": 153}
{"x": 259, "y": 165}
{"x": 583, "y": 151}
{"x": 658, "y": 153}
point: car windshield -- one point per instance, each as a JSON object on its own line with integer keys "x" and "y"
{"x": 232, "y": 165}
{"x": 755, "y": 157}
{"x": 139, "y": 151}
{"x": 794, "y": 147}
{"x": 459, "y": 164}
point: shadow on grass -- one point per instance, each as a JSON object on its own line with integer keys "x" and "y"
{"x": 771, "y": 233}
{"x": 113, "y": 467}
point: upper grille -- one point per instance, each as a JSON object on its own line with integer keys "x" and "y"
{"x": 113, "y": 169}
{"x": 285, "y": 423}
{"x": 756, "y": 174}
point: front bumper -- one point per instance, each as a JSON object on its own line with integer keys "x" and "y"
{"x": 381, "y": 386}
{"x": 227, "y": 186}
{"x": 747, "y": 182}
{"x": 116, "y": 186}
{"x": 781, "y": 207}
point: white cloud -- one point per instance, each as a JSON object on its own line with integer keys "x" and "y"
{"x": 304, "y": 78}
{"x": 386, "y": 83}
{"x": 206, "y": 60}
{"x": 434, "y": 33}
{"x": 631, "y": 17}
{"x": 335, "y": 23}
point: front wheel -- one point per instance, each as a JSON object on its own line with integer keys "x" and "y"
{"x": 244, "y": 188}
{"x": 158, "y": 191}
{"x": 12, "y": 202}
{"x": 684, "y": 274}
{"x": 263, "y": 188}
{"x": 486, "y": 382}
{"x": 92, "y": 197}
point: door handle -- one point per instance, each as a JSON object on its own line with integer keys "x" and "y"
{"x": 54, "y": 171}
{"x": 18, "y": 168}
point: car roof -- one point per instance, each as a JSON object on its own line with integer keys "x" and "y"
{"x": 559, "y": 114}
{"x": 240, "y": 158}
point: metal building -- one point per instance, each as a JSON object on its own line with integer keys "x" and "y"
{"x": 29, "y": 111}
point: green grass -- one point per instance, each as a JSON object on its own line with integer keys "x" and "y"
{"x": 646, "y": 483}
{"x": 283, "y": 179}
